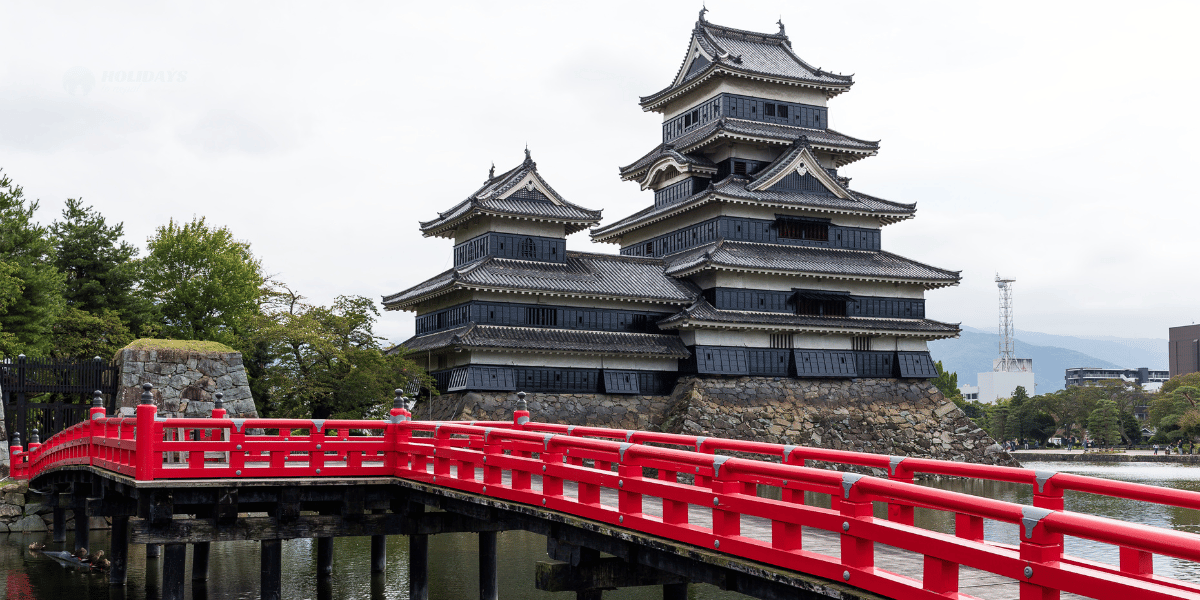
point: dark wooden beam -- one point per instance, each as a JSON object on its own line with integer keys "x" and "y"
{"x": 191, "y": 531}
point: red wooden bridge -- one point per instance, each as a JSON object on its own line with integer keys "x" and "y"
{"x": 677, "y": 508}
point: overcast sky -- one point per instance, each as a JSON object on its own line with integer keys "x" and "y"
{"x": 1052, "y": 142}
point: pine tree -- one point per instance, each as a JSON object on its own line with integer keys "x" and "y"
{"x": 101, "y": 273}
{"x": 28, "y": 250}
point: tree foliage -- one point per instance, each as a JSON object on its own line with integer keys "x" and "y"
{"x": 31, "y": 284}
{"x": 81, "y": 334}
{"x": 205, "y": 283}
{"x": 1189, "y": 379}
{"x": 1176, "y": 414}
{"x": 101, "y": 273}
{"x": 327, "y": 361}
{"x": 946, "y": 382}
{"x": 1104, "y": 423}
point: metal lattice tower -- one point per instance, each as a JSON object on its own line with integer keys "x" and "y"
{"x": 1008, "y": 362}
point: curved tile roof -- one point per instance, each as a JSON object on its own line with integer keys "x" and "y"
{"x": 825, "y": 139}
{"x": 499, "y": 337}
{"x": 832, "y": 262}
{"x": 664, "y": 151}
{"x": 703, "y": 312}
{"x": 736, "y": 52}
{"x": 488, "y": 200}
{"x": 734, "y": 189}
{"x": 583, "y": 274}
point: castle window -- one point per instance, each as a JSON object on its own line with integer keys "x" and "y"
{"x": 783, "y": 111}
{"x": 795, "y": 229}
{"x": 649, "y": 249}
{"x": 739, "y": 167}
{"x": 860, "y": 343}
{"x": 541, "y": 316}
{"x": 528, "y": 250}
{"x": 781, "y": 340}
{"x": 770, "y": 109}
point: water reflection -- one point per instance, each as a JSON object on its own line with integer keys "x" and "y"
{"x": 234, "y": 566}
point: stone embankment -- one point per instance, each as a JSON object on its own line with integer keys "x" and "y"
{"x": 882, "y": 416}
{"x": 185, "y": 376}
{"x": 23, "y": 511}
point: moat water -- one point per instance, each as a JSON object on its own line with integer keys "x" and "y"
{"x": 453, "y": 565}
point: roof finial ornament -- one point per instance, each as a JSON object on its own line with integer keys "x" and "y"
{"x": 782, "y": 31}
{"x": 492, "y": 171}
{"x": 528, "y": 158}
{"x": 703, "y": 9}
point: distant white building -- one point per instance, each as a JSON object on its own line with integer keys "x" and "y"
{"x": 1150, "y": 381}
{"x": 969, "y": 392}
{"x": 997, "y": 385}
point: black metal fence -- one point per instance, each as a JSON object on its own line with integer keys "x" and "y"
{"x": 50, "y": 395}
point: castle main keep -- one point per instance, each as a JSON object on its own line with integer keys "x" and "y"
{"x": 756, "y": 258}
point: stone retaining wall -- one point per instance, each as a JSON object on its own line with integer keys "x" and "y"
{"x": 184, "y": 381}
{"x": 881, "y": 416}
{"x": 23, "y": 511}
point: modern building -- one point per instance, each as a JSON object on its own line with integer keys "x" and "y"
{"x": 755, "y": 258}
{"x": 969, "y": 392}
{"x": 997, "y": 384}
{"x": 1149, "y": 380}
{"x": 1183, "y": 349}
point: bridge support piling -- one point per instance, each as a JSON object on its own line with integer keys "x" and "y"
{"x": 200, "y": 551}
{"x": 174, "y": 564}
{"x": 81, "y": 527}
{"x": 60, "y": 525}
{"x": 153, "y": 550}
{"x": 675, "y": 591}
{"x": 378, "y": 553}
{"x": 489, "y": 577}
{"x": 119, "y": 551}
{"x": 270, "y": 569}
{"x": 418, "y": 567}
{"x": 325, "y": 557}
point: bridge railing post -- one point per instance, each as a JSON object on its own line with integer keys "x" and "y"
{"x": 724, "y": 522}
{"x": 1039, "y": 547}
{"x": 144, "y": 463}
{"x": 552, "y": 485}
{"x": 629, "y": 504}
{"x": 391, "y": 457}
{"x": 95, "y": 427}
{"x": 16, "y": 457}
{"x": 857, "y": 552}
{"x": 899, "y": 512}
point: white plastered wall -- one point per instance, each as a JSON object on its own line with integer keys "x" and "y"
{"x": 743, "y": 87}
{"x": 481, "y": 225}
{"x": 786, "y": 283}
{"x": 573, "y": 361}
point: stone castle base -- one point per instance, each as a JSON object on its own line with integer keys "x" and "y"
{"x": 907, "y": 417}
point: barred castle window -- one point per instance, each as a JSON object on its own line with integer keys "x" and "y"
{"x": 860, "y": 343}
{"x": 541, "y": 316}
{"x": 795, "y": 229}
{"x": 528, "y": 249}
{"x": 781, "y": 340}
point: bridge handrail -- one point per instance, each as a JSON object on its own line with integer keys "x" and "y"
{"x": 140, "y": 447}
{"x": 725, "y": 478}
{"x": 1048, "y": 487}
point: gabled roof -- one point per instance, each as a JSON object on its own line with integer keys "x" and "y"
{"x": 583, "y": 275}
{"x": 663, "y": 157}
{"x": 825, "y": 263}
{"x": 847, "y": 149}
{"x": 519, "y": 193}
{"x": 734, "y": 189}
{"x": 473, "y": 336}
{"x": 719, "y": 51}
{"x": 703, "y": 315}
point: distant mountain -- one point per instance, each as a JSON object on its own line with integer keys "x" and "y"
{"x": 1128, "y": 353}
{"x": 972, "y": 353}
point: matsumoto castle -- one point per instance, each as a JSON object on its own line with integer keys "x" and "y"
{"x": 756, "y": 257}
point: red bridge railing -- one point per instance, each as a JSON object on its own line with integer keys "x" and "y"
{"x": 565, "y": 468}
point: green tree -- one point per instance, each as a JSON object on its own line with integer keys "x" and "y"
{"x": 1176, "y": 414}
{"x": 101, "y": 273}
{"x": 81, "y": 334}
{"x": 1018, "y": 425}
{"x": 1104, "y": 424}
{"x": 1189, "y": 379}
{"x": 327, "y": 361}
{"x": 10, "y": 292}
{"x": 947, "y": 383}
{"x": 204, "y": 282}
{"x": 28, "y": 251}
{"x": 997, "y": 420}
